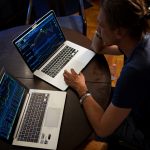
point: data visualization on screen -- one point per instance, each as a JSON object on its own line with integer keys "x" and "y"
{"x": 40, "y": 42}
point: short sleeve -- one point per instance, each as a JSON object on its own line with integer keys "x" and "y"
{"x": 126, "y": 90}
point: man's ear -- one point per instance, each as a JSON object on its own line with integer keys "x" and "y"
{"x": 120, "y": 32}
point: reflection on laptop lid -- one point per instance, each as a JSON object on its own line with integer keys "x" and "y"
{"x": 11, "y": 97}
{"x": 47, "y": 53}
{"x": 29, "y": 118}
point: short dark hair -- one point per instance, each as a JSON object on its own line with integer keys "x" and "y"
{"x": 129, "y": 14}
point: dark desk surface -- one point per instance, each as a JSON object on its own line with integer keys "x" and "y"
{"x": 75, "y": 127}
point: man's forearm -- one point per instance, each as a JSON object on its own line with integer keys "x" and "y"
{"x": 94, "y": 112}
{"x": 98, "y": 46}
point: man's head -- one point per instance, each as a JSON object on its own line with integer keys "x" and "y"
{"x": 123, "y": 15}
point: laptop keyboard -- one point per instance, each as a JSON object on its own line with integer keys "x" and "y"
{"x": 33, "y": 119}
{"x": 59, "y": 61}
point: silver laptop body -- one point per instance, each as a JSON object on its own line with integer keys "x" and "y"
{"x": 43, "y": 44}
{"x": 40, "y": 116}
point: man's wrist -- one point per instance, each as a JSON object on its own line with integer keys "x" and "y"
{"x": 82, "y": 91}
{"x": 84, "y": 97}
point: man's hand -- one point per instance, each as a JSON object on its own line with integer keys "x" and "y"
{"x": 76, "y": 81}
{"x": 97, "y": 43}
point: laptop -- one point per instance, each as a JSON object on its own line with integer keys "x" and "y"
{"x": 29, "y": 117}
{"x": 47, "y": 53}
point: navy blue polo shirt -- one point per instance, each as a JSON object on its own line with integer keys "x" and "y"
{"x": 133, "y": 86}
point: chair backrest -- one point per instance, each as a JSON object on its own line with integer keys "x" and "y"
{"x": 76, "y": 22}
{"x": 61, "y": 8}
{"x": 82, "y": 12}
{"x": 12, "y": 13}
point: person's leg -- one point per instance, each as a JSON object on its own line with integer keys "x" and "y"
{"x": 127, "y": 135}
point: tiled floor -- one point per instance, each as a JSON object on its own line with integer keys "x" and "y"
{"x": 115, "y": 62}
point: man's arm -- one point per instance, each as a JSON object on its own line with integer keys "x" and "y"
{"x": 99, "y": 47}
{"x": 104, "y": 122}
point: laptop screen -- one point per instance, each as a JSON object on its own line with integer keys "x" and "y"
{"x": 40, "y": 41}
{"x": 11, "y": 95}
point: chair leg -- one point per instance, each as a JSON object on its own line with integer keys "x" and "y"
{"x": 28, "y": 17}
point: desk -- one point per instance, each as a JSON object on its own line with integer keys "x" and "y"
{"x": 75, "y": 127}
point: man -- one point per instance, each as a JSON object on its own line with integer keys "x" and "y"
{"x": 122, "y": 26}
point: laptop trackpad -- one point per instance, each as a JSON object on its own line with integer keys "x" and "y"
{"x": 52, "y": 117}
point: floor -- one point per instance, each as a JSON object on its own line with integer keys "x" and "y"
{"x": 115, "y": 62}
